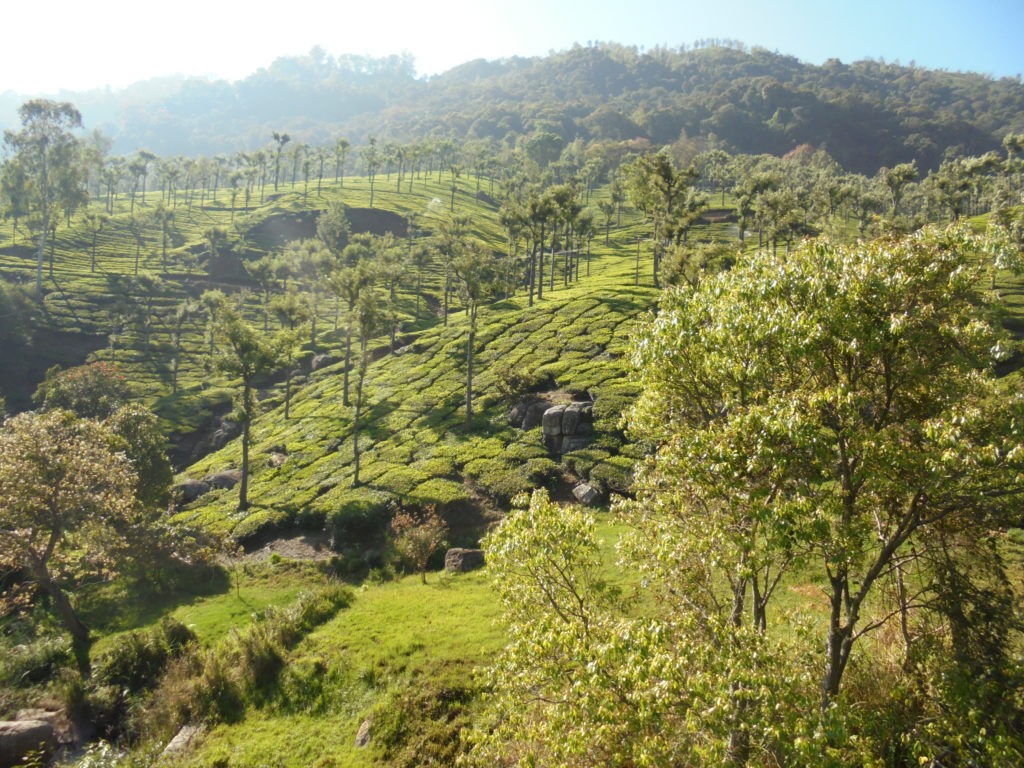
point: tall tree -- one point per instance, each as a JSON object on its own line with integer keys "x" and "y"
{"x": 280, "y": 139}
{"x": 659, "y": 190}
{"x": 245, "y": 354}
{"x": 368, "y": 322}
{"x": 477, "y": 272}
{"x": 348, "y": 283}
{"x": 48, "y": 152}
{"x": 371, "y": 158}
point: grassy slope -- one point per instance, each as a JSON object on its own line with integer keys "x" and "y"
{"x": 400, "y": 639}
{"x": 415, "y": 447}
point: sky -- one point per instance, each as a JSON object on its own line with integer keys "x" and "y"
{"x": 77, "y": 45}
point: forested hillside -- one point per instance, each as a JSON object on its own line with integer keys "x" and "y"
{"x": 866, "y": 114}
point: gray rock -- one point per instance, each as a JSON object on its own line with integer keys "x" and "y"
{"x": 19, "y": 738}
{"x": 552, "y": 420}
{"x": 586, "y": 494}
{"x": 64, "y": 731}
{"x": 572, "y": 443}
{"x": 460, "y": 560}
{"x": 229, "y": 478}
{"x": 517, "y": 413}
{"x": 182, "y": 741}
{"x": 322, "y": 361}
{"x": 570, "y": 419}
{"x": 227, "y": 431}
{"x": 534, "y": 415}
{"x": 363, "y": 734}
{"x": 188, "y": 491}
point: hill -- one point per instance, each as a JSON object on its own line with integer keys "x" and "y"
{"x": 867, "y": 114}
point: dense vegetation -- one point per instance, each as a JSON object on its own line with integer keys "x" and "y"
{"x": 778, "y": 372}
{"x": 866, "y": 114}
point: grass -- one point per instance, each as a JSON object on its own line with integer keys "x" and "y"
{"x": 400, "y": 644}
{"x": 229, "y": 600}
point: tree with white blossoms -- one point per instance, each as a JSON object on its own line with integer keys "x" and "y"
{"x": 831, "y": 415}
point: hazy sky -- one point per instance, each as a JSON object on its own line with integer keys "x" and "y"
{"x": 76, "y": 44}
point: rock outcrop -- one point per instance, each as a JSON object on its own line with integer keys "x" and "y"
{"x": 229, "y": 478}
{"x": 587, "y": 494}
{"x": 19, "y": 738}
{"x": 460, "y": 560}
{"x": 189, "y": 490}
{"x": 568, "y": 426}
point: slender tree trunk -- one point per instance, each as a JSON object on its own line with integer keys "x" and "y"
{"x": 540, "y": 267}
{"x": 40, "y": 252}
{"x": 81, "y": 640}
{"x": 243, "y": 486}
{"x": 348, "y": 358}
{"x": 471, "y": 310}
{"x": 288, "y": 393}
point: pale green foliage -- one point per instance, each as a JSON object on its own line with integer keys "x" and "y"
{"x": 832, "y": 409}
{"x": 584, "y": 682}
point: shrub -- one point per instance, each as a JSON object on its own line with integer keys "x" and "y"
{"x": 35, "y": 662}
{"x": 360, "y": 515}
{"x": 417, "y": 536}
{"x": 438, "y": 491}
{"x": 136, "y": 660}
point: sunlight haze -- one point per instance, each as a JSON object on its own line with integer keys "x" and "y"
{"x": 115, "y": 43}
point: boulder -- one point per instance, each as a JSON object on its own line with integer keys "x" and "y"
{"x": 517, "y": 413}
{"x": 189, "y": 490}
{"x": 227, "y": 431}
{"x": 552, "y": 420}
{"x": 229, "y": 478}
{"x": 64, "y": 731}
{"x": 363, "y": 734}
{"x": 570, "y": 419}
{"x": 572, "y": 443}
{"x": 19, "y": 738}
{"x": 461, "y": 560}
{"x": 322, "y": 361}
{"x": 534, "y": 415}
{"x": 587, "y": 494}
{"x": 182, "y": 741}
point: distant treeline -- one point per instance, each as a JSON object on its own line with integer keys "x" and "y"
{"x": 866, "y": 115}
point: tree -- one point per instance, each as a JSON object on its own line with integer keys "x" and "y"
{"x": 341, "y": 149}
{"x": 368, "y": 322}
{"x": 834, "y": 411}
{"x": 896, "y": 179}
{"x": 450, "y": 239}
{"x": 348, "y": 283}
{"x": 280, "y": 139}
{"x": 858, "y": 428}
{"x": 333, "y": 229}
{"x": 178, "y": 318}
{"x": 99, "y": 391}
{"x": 244, "y": 354}
{"x": 659, "y": 190}
{"x": 91, "y": 391}
{"x": 48, "y": 152}
{"x": 477, "y": 273}
{"x": 64, "y": 489}
{"x": 95, "y": 223}
{"x": 370, "y": 155}
{"x": 417, "y": 536}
